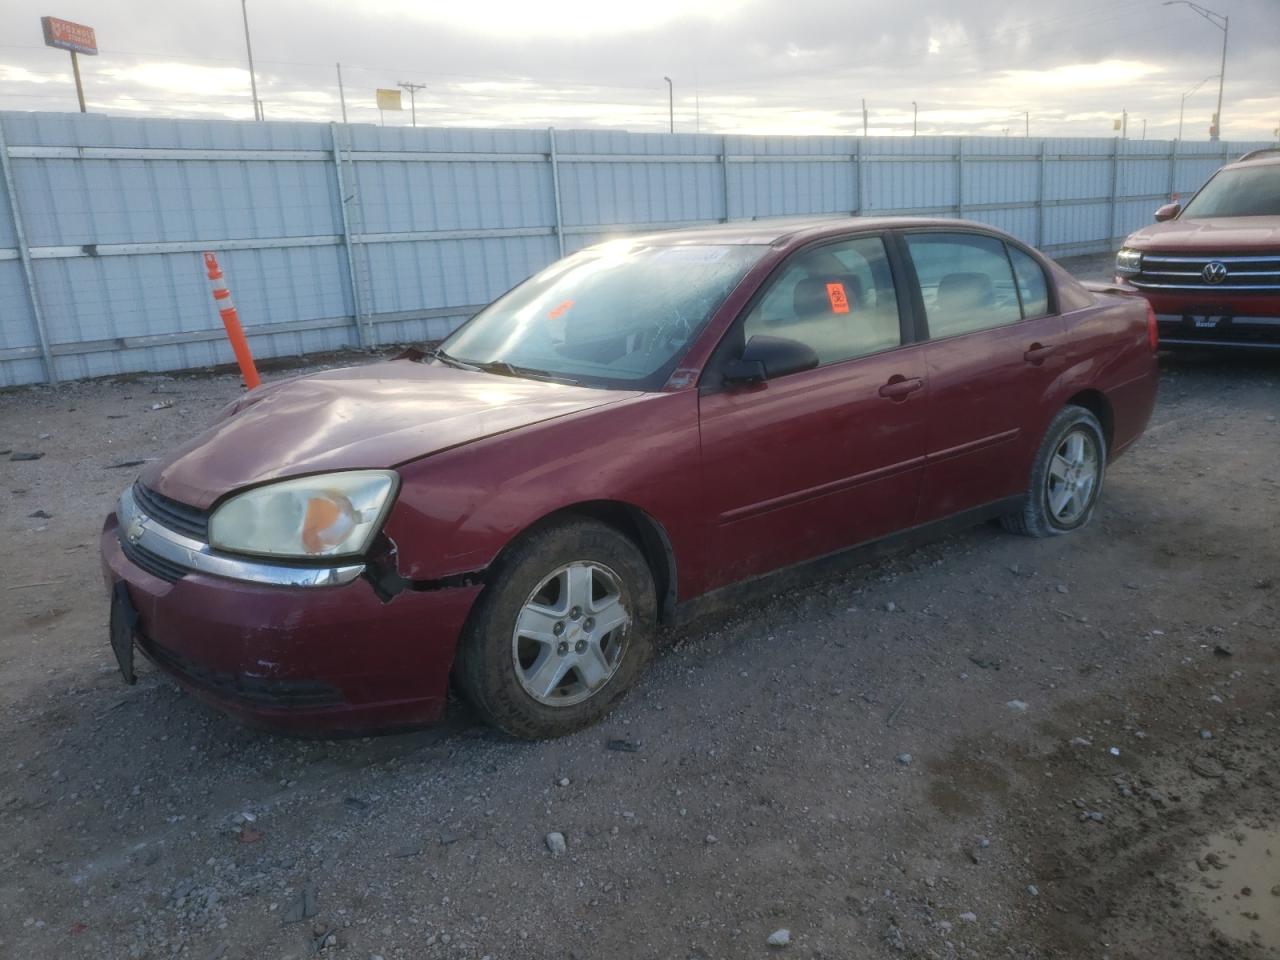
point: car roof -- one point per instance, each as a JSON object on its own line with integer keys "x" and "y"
{"x": 1269, "y": 156}
{"x": 787, "y": 231}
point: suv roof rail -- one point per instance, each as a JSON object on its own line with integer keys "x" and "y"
{"x": 1255, "y": 154}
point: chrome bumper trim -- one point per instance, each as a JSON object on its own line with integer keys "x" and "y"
{"x": 146, "y": 534}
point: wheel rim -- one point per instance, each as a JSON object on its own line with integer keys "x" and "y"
{"x": 1073, "y": 476}
{"x": 571, "y": 634}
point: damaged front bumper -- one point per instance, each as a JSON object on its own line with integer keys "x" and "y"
{"x": 308, "y": 649}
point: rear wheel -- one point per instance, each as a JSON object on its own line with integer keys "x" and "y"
{"x": 1066, "y": 477}
{"x": 562, "y": 631}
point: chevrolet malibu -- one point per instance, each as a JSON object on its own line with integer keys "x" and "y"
{"x": 642, "y": 424}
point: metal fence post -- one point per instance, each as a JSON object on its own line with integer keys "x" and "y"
{"x": 863, "y": 203}
{"x": 555, "y": 188}
{"x": 1040, "y": 198}
{"x": 960, "y": 177}
{"x": 361, "y": 335}
{"x": 24, "y": 252}
{"x": 724, "y": 173}
{"x": 1115, "y": 185}
{"x": 857, "y": 175}
{"x": 1173, "y": 169}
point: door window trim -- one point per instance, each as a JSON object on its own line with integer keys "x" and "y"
{"x": 1051, "y": 288}
{"x": 710, "y": 380}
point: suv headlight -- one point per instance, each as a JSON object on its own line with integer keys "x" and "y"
{"x": 1129, "y": 262}
{"x": 329, "y": 515}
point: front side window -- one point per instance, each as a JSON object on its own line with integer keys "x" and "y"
{"x": 620, "y": 314}
{"x": 1242, "y": 192}
{"x": 966, "y": 282}
{"x": 838, "y": 299}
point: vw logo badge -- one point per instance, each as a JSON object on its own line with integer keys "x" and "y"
{"x": 1215, "y": 271}
{"x": 134, "y": 533}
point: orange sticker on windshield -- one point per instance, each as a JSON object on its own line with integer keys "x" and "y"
{"x": 839, "y": 299}
{"x": 560, "y": 309}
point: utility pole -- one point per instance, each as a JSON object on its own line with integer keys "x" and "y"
{"x": 1144, "y": 128}
{"x": 864, "y": 116}
{"x": 258, "y": 113}
{"x": 671, "y": 106}
{"x": 915, "y": 114}
{"x": 1223, "y": 23}
{"x": 1124, "y": 124}
{"x": 342, "y": 96}
{"x": 1026, "y": 123}
{"x": 413, "y": 88}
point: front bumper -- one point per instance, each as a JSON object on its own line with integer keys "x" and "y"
{"x": 1215, "y": 330}
{"x": 321, "y": 659}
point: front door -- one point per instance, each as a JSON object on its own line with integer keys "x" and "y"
{"x": 809, "y": 463}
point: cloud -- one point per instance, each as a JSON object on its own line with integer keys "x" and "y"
{"x": 803, "y": 66}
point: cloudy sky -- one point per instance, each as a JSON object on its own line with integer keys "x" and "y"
{"x": 741, "y": 66}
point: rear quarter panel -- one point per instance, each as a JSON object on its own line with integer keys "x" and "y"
{"x": 1110, "y": 352}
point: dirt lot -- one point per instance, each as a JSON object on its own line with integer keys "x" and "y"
{"x": 991, "y": 746}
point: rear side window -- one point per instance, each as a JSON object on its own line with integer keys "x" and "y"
{"x": 966, "y": 282}
{"x": 1032, "y": 286}
{"x": 838, "y": 299}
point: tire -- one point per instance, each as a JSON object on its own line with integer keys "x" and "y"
{"x": 532, "y": 622}
{"x": 1043, "y": 514}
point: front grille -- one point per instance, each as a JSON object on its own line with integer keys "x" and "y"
{"x": 252, "y": 690}
{"x": 1245, "y": 272}
{"x": 188, "y": 521}
{"x": 155, "y": 565}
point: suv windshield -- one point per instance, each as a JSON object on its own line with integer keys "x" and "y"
{"x": 620, "y": 314}
{"x": 1242, "y": 192}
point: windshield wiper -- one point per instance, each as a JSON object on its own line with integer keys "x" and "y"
{"x": 505, "y": 369}
{"x": 435, "y": 353}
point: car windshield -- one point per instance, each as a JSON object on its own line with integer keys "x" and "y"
{"x": 620, "y": 314}
{"x": 1242, "y": 192}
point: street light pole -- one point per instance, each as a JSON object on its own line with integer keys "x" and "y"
{"x": 864, "y": 116}
{"x": 1223, "y": 23}
{"x": 253, "y": 80}
{"x": 671, "y": 106}
{"x": 1183, "y": 105}
{"x": 915, "y": 114}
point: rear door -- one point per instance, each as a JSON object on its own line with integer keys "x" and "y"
{"x": 995, "y": 348}
{"x": 805, "y": 464}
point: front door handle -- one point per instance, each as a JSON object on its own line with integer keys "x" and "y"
{"x": 1037, "y": 352}
{"x": 899, "y": 387}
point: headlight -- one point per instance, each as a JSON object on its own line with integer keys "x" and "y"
{"x": 331, "y": 515}
{"x": 1129, "y": 262}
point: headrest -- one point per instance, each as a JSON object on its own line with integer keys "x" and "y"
{"x": 965, "y": 291}
{"x": 815, "y": 296}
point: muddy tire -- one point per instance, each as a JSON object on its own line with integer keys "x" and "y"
{"x": 561, "y": 632}
{"x": 1066, "y": 477}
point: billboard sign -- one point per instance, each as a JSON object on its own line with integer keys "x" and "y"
{"x": 66, "y": 35}
{"x": 388, "y": 99}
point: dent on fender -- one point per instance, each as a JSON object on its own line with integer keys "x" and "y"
{"x": 382, "y": 570}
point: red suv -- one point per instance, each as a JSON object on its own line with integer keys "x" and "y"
{"x": 644, "y": 423}
{"x": 1211, "y": 269}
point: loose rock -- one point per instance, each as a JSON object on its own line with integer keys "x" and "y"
{"x": 779, "y": 938}
{"x": 556, "y": 844}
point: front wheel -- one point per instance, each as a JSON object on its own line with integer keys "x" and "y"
{"x": 1066, "y": 477}
{"x": 562, "y": 631}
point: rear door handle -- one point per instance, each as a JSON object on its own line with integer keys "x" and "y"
{"x": 1037, "y": 352}
{"x": 899, "y": 387}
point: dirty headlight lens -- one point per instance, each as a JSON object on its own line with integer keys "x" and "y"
{"x": 1128, "y": 262}
{"x": 331, "y": 515}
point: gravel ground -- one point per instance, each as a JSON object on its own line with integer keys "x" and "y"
{"x": 990, "y": 746}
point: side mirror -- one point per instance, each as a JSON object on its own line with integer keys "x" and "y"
{"x": 766, "y": 358}
{"x": 1168, "y": 212}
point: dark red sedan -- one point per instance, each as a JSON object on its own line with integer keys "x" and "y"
{"x": 639, "y": 425}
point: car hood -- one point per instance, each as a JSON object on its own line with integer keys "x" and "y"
{"x": 374, "y": 416}
{"x": 1216, "y": 235}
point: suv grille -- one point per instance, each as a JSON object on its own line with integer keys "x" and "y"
{"x": 178, "y": 517}
{"x": 1252, "y": 272}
